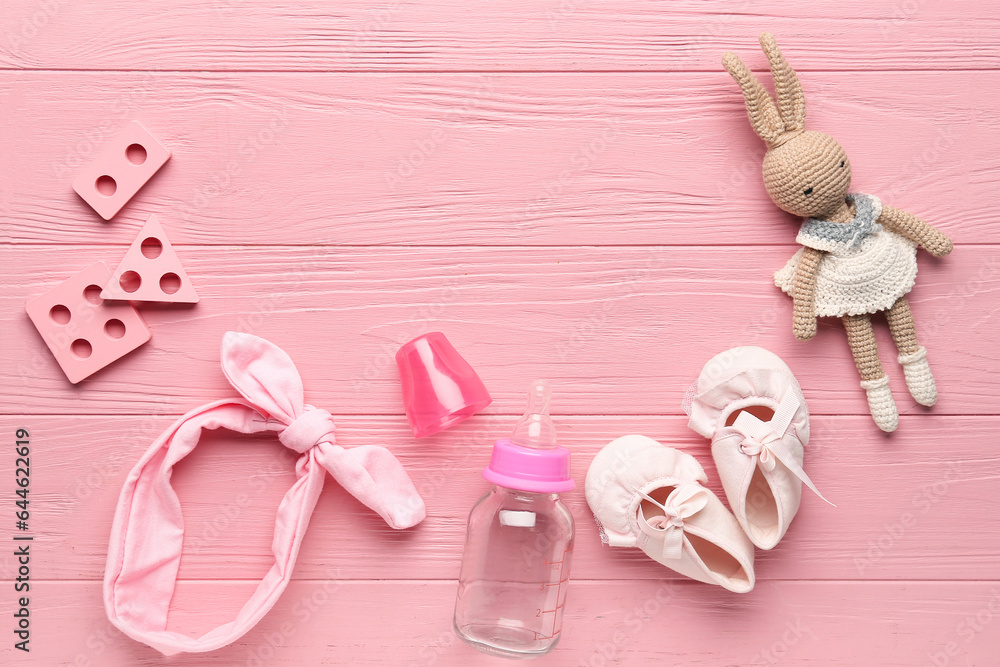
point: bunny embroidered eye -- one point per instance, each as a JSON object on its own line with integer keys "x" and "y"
{"x": 807, "y": 191}
{"x": 841, "y": 164}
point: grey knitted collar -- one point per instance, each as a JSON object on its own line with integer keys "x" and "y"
{"x": 829, "y": 236}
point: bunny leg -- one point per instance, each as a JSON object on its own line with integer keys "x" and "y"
{"x": 912, "y": 355}
{"x": 864, "y": 347}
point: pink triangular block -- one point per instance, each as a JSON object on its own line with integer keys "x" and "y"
{"x": 151, "y": 271}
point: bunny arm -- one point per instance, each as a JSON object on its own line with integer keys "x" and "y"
{"x": 804, "y": 293}
{"x": 910, "y": 226}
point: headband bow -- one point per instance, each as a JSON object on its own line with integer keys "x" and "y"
{"x": 148, "y": 529}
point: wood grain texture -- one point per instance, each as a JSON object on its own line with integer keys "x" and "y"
{"x": 511, "y": 35}
{"x": 486, "y": 159}
{"x": 334, "y": 622}
{"x": 907, "y": 508}
{"x": 617, "y": 330}
{"x": 569, "y": 189}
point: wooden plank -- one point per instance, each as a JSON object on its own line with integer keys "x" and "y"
{"x": 332, "y": 622}
{"x": 512, "y": 35}
{"x": 619, "y": 330}
{"x": 921, "y": 504}
{"x": 492, "y": 159}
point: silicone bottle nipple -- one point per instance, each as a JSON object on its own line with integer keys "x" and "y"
{"x": 535, "y": 429}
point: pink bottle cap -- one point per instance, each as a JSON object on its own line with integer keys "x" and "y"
{"x": 440, "y": 389}
{"x": 529, "y": 468}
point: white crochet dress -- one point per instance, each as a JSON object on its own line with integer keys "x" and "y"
{"x": 865, "y": 268}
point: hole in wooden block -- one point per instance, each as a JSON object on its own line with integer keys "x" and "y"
{"x": 135, "y": 153}
{"x": 59, "y": 314}
{"x": 130, "y": 281}
{"x": 114, "y": 328}
{"x": 170, "y": 283}
{"x": 106, "y": 185}
{"x": 151, "y": 248}
{"x": 81, "y": 348}
{"x": 93, "y": 295}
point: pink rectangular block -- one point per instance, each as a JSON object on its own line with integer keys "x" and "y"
{"x": 124, "y": 166}
{"x": 84, "y": 332}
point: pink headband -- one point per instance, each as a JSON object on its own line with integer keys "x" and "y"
{"x": 148, "y": 530}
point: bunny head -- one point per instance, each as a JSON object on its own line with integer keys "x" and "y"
{"x": 805, "y": 173}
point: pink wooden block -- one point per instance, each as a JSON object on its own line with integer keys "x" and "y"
{"x": 84, "y": 333}
{"x": 120, "y": 170}
{"x": 151, "y": 270}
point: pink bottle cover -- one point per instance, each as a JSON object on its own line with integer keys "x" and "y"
{"x": 124, "y": 166}
{"x": 84, "y": 332}
{"x": 440, "y": 388}
{"x": 151, "y": 270}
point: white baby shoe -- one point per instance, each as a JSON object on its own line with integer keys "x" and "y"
{"x": 649, "y": 496}
{"x": 749, "y": 403}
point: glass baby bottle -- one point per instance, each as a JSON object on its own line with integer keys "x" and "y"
{"x": 515, "y": 568}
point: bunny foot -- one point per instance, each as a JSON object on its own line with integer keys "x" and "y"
{"x": 880, "y": 402}
{"x": 918, "y": 376}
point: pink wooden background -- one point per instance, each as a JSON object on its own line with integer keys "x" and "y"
{"x": 569, "y": 189}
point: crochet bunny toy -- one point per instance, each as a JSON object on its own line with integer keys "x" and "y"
{"x": 858, "y": 255}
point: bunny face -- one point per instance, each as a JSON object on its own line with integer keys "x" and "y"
{"x": 808, "y": 175}
{"x": 805, "y": 173}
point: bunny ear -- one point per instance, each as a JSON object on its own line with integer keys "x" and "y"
{"x": 763, "y": 115}
{"x": 791, "y": 99}
{"x": 264, "y": 374}
{"x": 376, "y": 478}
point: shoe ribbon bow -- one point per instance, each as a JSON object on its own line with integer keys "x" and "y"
{"x": 684, "y": 501}
{"x": 764, "y": 439}
{"x": 147, "y": 534}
